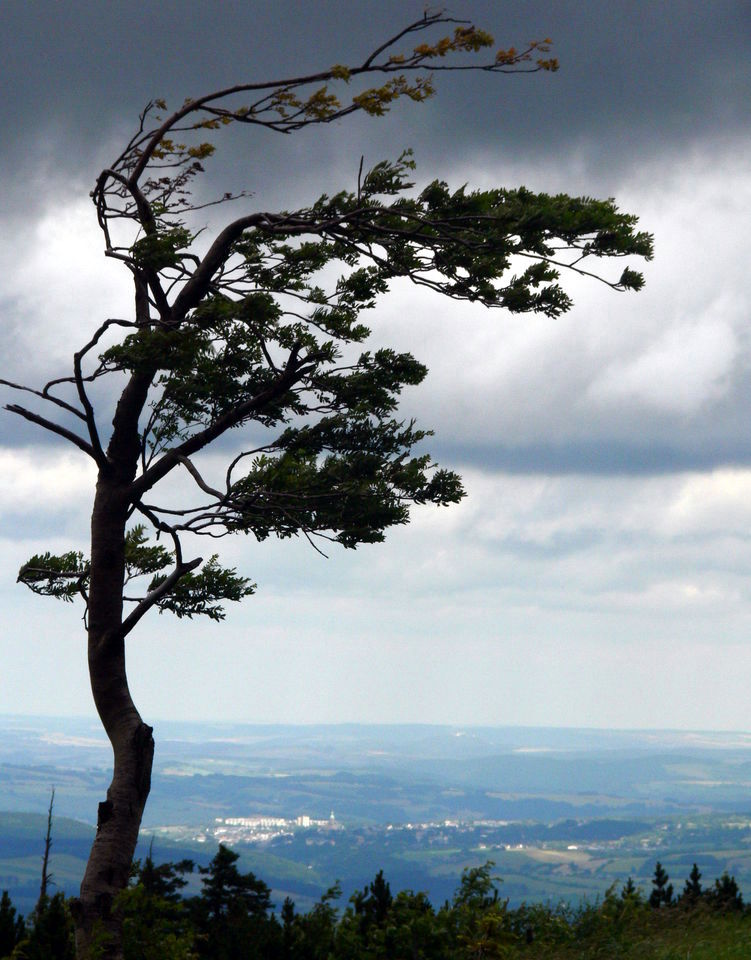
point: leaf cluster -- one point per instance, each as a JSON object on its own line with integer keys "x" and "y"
{"x": 199, "y": 594}
{"x": 61, "y": 576}
{"x": 66, "y": 576}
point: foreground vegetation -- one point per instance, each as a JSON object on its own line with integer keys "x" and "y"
{"x": 233, "y": 919}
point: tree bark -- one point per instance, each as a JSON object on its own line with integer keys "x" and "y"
{"x": 97, "y": 920}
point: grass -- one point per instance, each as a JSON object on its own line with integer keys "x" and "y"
{"x": 650, "y": 935}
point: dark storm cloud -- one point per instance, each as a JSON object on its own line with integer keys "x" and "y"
{"x": 605, "y": 457}
{"x": 635, "y": 75}
{"x": 639, "y": 80}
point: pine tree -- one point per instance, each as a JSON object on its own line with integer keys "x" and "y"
{"x": 227, "y": 892}
{"x": 692, "y": 891}
{"x": 288, "y": 928}
{"x": 662, "y": 891}
{"x": 231, "y": 915}
{"x": 165, "y": 880}
{"x": 12, "y": 927}
{"x": 47, "y": 877}
{"x": 630, "y": 891}
{"x": 372, "y": 904}
{"x": 51, "y": 934}
{"x": 726, "y": 894}
{"x": 156, "y": 923}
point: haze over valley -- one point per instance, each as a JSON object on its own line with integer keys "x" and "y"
{"x": 563, "y": 813}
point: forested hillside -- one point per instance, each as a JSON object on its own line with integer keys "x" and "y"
{"x": 233, "y": 918}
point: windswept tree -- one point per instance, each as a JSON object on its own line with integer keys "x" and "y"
{"x": 253, "y": 332}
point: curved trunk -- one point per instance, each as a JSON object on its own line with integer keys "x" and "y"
{"x": 98, "y": 925}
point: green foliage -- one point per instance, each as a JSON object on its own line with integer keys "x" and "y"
{"x": 231, "y": 915}
{"x": 662, "y": 890}
{"x": 140, "y": 559}
{"x": 359, "y": 489}
{"x": 692, "y": 891}
{"x": 231, "y": 919}
{"x": 477, "y": 919}
{"x": 227, "y": 892}
{"x": 161, "y": 249}
{"x": 197, "y": 594}
{"x": 153, "y": 348}
{"x": 12, "y": 927}
{"x": 61, "y": 576}
{"x": 726, "y": 895}
{"x": 256, "y": 330}
{"x": 154, "y": 929}
{"x": 49, "y": 935}
{"x": 256, "y": 333}
{"x": 630, "y": 891}
{"x": 156, "y": 925}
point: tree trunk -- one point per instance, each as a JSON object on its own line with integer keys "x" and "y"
{"x": 97, "y": 920}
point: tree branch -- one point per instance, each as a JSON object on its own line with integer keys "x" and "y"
{"x": 157, "y": 593}
{"x": 198, "y": 285}
{"x": 90, "y": 419}
{"x": 293, "y": 372}
{"x": 192, "y": 470}
{"x": 53, "y": 428}
{"x": 43, "y": 395}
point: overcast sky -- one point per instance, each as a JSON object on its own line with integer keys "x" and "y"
{"x": 598, "y": 572}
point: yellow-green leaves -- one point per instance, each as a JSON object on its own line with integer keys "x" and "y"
{"x": 340, "y": 72}
{"x": 321, "y": 104}
{"x": 513, "y": 57}
{"x": 202, "y": 151}
{"x": 465, "y": 38}
{"x": 318, "y": 105}
{"x": 377, "y": 100}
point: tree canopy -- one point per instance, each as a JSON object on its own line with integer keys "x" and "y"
{"x": 257, "y": 328}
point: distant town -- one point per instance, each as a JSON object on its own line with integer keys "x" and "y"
{"x": 483, "y": 835}
{"x": 229, "y": 830}
{"x": 265, "y": 829}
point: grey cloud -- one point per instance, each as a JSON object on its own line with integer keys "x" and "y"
{"x": 599, "y": 458}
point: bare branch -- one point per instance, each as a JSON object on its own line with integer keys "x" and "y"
{"x": 45, "y": 395}
{"x": 313, "y": 544}
{"x": 192, "y": 470}
{"x": 90, "y": 419}
{"x": 53, "y": 428}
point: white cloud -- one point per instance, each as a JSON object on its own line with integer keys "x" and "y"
{"x": 673, "y": 350}
{"x": 712, "y": 504}
{"x": 57, "y": 288}
{"x": 685, "y": 367}
{"x": 38, "y": 480}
